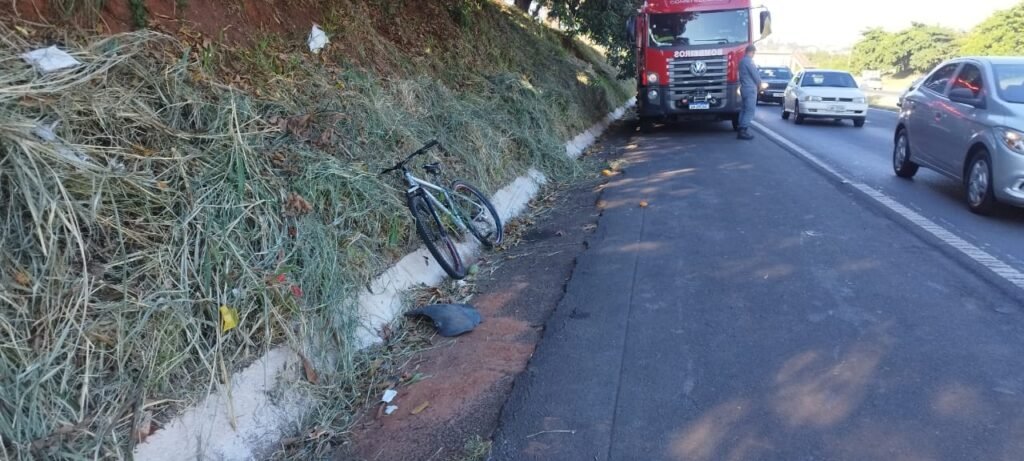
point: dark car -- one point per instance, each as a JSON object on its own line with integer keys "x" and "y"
{"x": 773, "y": 84}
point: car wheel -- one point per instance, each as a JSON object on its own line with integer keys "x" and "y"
{"x": 901, "y": 162}
{"x": 799, "y": 117}
{"x": 978, "y": 184}
{"x": 785, "y": 113}
{"x": 858, "y": 122}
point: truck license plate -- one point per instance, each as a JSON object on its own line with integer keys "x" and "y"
{"x": 700, "y": 106}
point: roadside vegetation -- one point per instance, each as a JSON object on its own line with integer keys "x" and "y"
{"x": 179, "y": 203}
{"x": 919, "y": 48}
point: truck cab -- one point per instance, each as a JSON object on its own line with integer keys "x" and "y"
{"x": 687, "y": 58}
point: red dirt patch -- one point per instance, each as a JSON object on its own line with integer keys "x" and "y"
{"x": 235, "y": 22}
{"x": 243, "y": 21}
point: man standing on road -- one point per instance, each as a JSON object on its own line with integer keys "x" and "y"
{"x": 750, "y": 82}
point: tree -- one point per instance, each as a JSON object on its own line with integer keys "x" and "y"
{"x": 874, "y": 51}
{"x": 922, "y": 47}
{"x": 604, "y": 21}
{"x": 999, "y": 35}
{"x": 915, "y": 49}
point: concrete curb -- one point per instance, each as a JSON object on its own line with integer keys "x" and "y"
{"x": 264, "y": 409}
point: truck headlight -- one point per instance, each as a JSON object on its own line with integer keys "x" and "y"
{"x": 1013, "y": 139}
{"x": 652, "y": 78}
{"x": 652, "y": 95}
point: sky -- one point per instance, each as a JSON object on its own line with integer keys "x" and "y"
{"x": 835, "y": 24}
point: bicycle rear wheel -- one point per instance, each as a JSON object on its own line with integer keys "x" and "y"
{"x": 435, "y": 237}
{"x": 477, "y": 214}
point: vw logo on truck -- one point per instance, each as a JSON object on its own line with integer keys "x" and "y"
{"x": 699, "y": 68}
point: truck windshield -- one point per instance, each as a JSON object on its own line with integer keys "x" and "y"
{"x": 700, "y": 28}
{"x": 1010, "y": 81}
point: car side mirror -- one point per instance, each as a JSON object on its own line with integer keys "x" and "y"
{"x": 965, "y": 96}
{"x": 631, "y": 30}
{"x": 766, "y": 24}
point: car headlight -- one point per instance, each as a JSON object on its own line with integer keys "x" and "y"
{"x": 860, "y": 100}
{"x": 764, "y": 85}
{"x": 1013, "y": 139}
{"x": 812, "y": 98}
{"x": 652, "y": 78}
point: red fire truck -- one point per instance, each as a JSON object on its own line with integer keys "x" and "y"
{"x": 687, "y": 58}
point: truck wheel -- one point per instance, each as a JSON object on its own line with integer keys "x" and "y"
{"x": 646, "y": 125}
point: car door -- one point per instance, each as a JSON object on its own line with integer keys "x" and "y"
{"x": 923, "y": 105}
{"x": 959, "y": 122}
{"x": 789, "y": 100}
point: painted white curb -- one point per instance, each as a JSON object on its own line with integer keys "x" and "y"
{"x": 262, "y": 416}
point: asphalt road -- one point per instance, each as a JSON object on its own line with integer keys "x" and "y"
{"x": 759, "y": 310}
{"x": 866, "y": 156}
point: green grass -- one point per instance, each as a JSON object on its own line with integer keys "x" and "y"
{"x": 475, "y": 449}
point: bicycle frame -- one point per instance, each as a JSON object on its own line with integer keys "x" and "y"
{"x": 418, "y": 185}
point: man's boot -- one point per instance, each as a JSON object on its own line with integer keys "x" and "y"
{"x": 744, "y": 135}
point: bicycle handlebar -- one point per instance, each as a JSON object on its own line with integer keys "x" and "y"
{"x": 420, "y": 151}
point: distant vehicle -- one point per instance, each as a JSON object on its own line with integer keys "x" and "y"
{"x": 871, "y": 80}
{"x": 828, "y": 94}
{"x": 966, "y": 121}
{"x": 773, "y": 84}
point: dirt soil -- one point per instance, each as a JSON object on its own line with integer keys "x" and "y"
{"x": 470, "y": 380}
{"x": 246, "y": 22}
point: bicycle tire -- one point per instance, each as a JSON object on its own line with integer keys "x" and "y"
{"x": 432, "y": 233}
{"x": 487, "y": 239}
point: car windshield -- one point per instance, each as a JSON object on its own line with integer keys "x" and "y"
{"x": 775, "y": 73}
{"x": 1010, "y": 81}
{"x": 828, "y": 79}
{"x": 700, "y": 28}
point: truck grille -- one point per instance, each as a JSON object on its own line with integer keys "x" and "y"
{"x": 712, "y": 84}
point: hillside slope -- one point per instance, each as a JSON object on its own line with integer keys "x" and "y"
{"x": 211, "y": 164}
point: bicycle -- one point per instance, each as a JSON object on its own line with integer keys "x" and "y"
{"x": 467, "y": 210}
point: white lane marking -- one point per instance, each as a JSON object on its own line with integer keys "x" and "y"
{"x": 980, "y": 256}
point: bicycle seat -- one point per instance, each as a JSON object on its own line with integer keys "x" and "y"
{"x": 432, "y": 168}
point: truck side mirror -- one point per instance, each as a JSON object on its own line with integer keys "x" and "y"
{"x": 631, "y": 29}
{"x": 766, "y": 24}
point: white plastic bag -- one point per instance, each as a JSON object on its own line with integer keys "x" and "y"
{"x": 317, "y": 39}
{"x": 50, "y": 59}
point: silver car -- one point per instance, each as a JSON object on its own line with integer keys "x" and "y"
{"x": 966, "y": 121}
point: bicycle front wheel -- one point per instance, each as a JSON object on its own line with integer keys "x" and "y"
{"x": 435, "y": 237}
{"x": 477, "y": 214}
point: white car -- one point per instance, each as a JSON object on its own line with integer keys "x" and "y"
{"x": 827, "y": 94}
